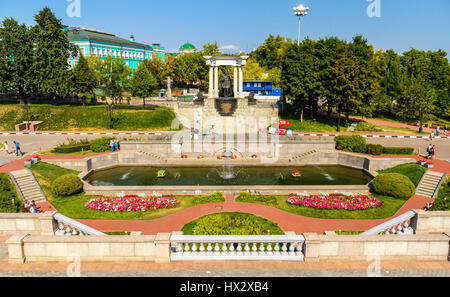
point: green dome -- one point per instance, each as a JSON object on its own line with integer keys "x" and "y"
{"x": 188, "y": 46}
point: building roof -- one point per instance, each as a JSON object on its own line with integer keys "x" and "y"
{"x": 83, "y": 33}
{"x": 188, "y": 46}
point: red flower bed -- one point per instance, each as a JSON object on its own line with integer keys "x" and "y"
{"x": 131, "y": 203}
{"x": 336, "y": 201}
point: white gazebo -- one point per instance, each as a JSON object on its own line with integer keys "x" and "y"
{"x": 215, "y": 62}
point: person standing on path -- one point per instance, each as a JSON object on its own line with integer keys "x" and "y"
{"x": 116, "y": 145}
{"x": 437, "y": 130}
{"x": 111, "y": 145}
{"x": 433, "y": 152}
{"x": 6, "y": 147}
{"x": 18, "y": 149}
{"x": 432, "y": 136}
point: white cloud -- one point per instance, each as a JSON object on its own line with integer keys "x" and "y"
{"x": 229, "y": 47}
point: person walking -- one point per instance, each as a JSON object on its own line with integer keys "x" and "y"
{"x": 433, "y": 152}
{"x": 429, "y": 151}
{"x": 116, "y": 145}
{"x": 111, "y": 145}
{"x": 431, "y": 135}
{"x": 17, "y": 145}
{"x": 5, "y": 145}
{"x": 437, "y": 130}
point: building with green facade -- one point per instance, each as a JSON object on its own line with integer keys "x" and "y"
{"x": 96, "y": 43}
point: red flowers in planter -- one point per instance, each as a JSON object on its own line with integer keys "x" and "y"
{"x": 184, "y": 156}
{"x": 336, "y": 201}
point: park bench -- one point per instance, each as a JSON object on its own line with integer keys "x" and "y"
{"x": 34, "y": 126}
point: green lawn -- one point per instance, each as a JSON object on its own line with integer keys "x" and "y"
{"x": 412, "y": 170}
{"x": 73, "y": 206}
{"x": 94, "y": 117}
{"x": 442, "y": 201}
{"x": 9, "y": 199}
{"x": 389, "y": 208}
{"x": 231, "y": 223}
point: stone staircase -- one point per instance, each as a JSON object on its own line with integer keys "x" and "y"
{"x": 429, "y": 184}
{"x": 298, "y": 157}
{"x": 154, "y": 156}
{"x": 27, "y": 186}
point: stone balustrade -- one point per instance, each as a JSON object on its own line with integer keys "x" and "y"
{"x": 69, "y": 227}
{"x": 216, "y": 247}
{"x": 401, "y": 225}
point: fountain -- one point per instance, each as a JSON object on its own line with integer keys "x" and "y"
{"x": 227, "y": 172}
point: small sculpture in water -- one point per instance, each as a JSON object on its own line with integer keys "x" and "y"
{"x": 161, "y": 174}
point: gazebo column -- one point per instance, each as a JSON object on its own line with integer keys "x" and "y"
{"x": 241, "y": 83}
{"x": 216, "y": 82}
{"x": 211, "y": 82}
{"x": 235, "y": 82}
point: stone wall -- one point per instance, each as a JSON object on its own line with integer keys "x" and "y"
{"x": 433, "y": 222}
{"x": 386, "y": 247}
{"x": 38, "y": 223}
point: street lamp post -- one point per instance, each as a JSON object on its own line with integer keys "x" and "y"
{"x": 27, "y": 108}
{"x": 300, "y": 11}
{"x": 110, "y": 107}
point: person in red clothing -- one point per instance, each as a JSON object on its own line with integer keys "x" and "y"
{"x": 433, "y": 152}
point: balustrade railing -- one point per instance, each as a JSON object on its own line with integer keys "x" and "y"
{"x": 401, "y": 225}
{"x": 69, "y": 227}
{"x": 234, "y": 247}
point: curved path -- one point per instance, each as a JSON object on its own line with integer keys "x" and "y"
{"x": 286, "y": 221}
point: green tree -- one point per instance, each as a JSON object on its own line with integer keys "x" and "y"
{"x": 191, "y": 70}
{"x": 16, "y": 56}
{"x": 270, "y": 53}
{"x": 84, "y": 78}
{"x": 211, "y": 49}
{"x": 52, "y": 51}
{"x": 252, "y": 70}
{"x": 143, "y": 83}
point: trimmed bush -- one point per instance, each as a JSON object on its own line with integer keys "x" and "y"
{"x": 398, "y": 150}
{"x": 67, "y": 149}
{"x": 351, "y": 143}
{"x": 394, "y": 185}
{"x": 374, "y": 149}
{"x": 101, "y": 145}
{"x": 67, "y": 185}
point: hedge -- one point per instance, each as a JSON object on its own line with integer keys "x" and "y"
{"x": 351, "y": 143}
{"x": 394, "y": 185}
{"x": 398, "y": 150}
{"x": 374, "y": 149}
{"x": 247, "y": 197}
{"x": 67, "y": 149}
{"x": 211, "y": 198}
{"x": 67, "y": 185}
{"x": 101, "y": 145}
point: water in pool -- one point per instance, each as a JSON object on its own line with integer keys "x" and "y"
{"x": 238, "y": 176}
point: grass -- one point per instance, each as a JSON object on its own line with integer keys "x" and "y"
{"x": 51, "y": 152}
{"x": 73, "y": 206}
{"x": 413, "y": 171}
{"x": 390, "y": 207}
{"x": 236, "y": 217}
{"x": 319, "y": 124}
{"x": 340, "y": 232}
{"x": 9, "y": 199}
{"x": 87, "y": 118}
{"x": 442, "y": 201}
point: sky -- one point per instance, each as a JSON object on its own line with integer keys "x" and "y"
{"x": 242, "y": 25}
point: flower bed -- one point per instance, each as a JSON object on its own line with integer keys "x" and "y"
{"x": 336, "y": 201}
{"x": 131, "y": 203}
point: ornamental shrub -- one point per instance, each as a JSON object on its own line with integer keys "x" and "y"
{"x": 351, "y": 143}
{"x": 394, "y": 185}
{"x": 398, "y": 150}
{"x": 374, "y": 149}
{"x": 101, "y": 145}
{"x": 67, "y": 185}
